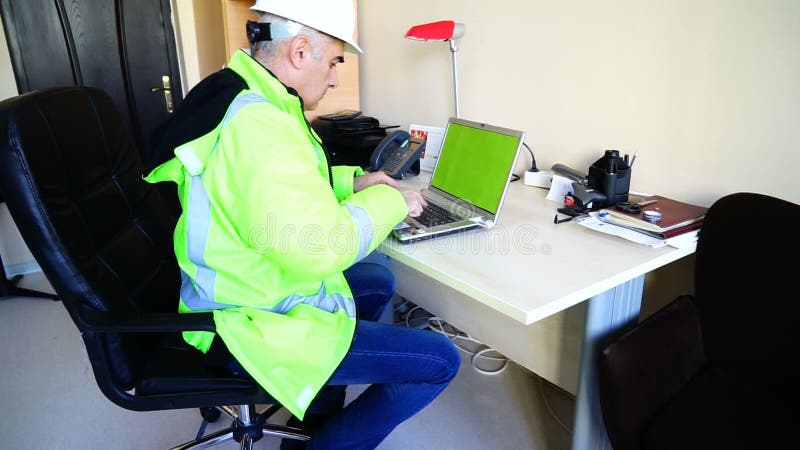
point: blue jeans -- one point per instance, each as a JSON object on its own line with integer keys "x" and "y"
{"x": 406, "y": 368}
{"x": 372, "y": 285}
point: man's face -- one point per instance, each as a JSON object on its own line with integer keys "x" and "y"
{"x": 321, "y": 73}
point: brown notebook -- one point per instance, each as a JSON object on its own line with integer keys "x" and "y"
{"x": 674, "y": 214}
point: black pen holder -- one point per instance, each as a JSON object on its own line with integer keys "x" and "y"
{"x": 611, "y": 176}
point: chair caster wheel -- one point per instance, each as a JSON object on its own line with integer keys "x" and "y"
{"x": 210, "y": 414}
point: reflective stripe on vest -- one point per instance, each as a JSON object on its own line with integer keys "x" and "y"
{"x": 196, "y": 301}
{"x": 198, "y": 294}
{"x": 365, "y": 228}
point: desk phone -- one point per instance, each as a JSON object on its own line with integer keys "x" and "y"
{"x": 396, "y": 153}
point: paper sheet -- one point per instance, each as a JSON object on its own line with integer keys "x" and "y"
{"x": 683, "y": 240}
{"x": 433, "y": 146}
{"x": 592, "y": 222}
{"x": 560, "y": 187}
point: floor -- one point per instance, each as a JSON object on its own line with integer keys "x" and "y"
{"x": 52, "y": 402}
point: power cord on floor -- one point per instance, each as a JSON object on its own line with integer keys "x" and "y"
{"x": 438, "y": 325}
{"x": 407, "y": 310}
{"x": 550, "y": 408}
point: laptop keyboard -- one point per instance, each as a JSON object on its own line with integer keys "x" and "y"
{"x": 434, "y": 215}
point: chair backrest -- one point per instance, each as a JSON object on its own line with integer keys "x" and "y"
{"x": 72, "y": 179}
{"x": 748, "y": 261}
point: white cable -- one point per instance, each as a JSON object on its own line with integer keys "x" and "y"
{"x": 402, "y": 307}
{"x": 409, "y": 316}
{"x": 484, "y": 371}
{"x": 437, "y": 325}
{"x": 549, "y": 408}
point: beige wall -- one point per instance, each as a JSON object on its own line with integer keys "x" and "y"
{"x": 183, "y": 19}
{"x": 200, "y": 37}
{"x": 705, "y": 92}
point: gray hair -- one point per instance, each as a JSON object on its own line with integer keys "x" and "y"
{"x": 266, "y": 50}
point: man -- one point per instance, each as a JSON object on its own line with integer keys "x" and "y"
{"x": 267, "y": 229}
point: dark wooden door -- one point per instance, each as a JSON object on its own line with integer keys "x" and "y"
{"x": 125, "y": 47}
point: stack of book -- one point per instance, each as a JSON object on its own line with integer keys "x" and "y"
{"x": 677, "y": 218}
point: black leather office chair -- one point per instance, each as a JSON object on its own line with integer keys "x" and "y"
{"x": 71, "y": 177}
{"x": 717, "y": 370}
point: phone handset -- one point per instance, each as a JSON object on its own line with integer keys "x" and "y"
{"x": 397, "y": 153}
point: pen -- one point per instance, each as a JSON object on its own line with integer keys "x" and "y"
{"x": 633, "y": 160}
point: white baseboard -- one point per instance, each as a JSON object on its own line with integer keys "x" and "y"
{"x": 22, "y": 268}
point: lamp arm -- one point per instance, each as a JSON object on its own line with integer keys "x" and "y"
{"x": 453, "y": 50}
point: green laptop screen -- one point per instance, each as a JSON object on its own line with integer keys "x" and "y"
{"x": 474, "y": 165}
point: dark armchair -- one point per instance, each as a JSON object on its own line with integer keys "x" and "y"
{"x": 71, "y": 177}
{"x": 717, "y": 370}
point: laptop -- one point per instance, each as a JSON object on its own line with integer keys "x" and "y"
{"x": 469, "y": 181}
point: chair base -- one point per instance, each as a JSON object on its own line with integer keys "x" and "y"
{"x": 247, "y": 428}
{"x": 9, "y": 288}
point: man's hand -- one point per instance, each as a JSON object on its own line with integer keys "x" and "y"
{"x": 371, "y": 179}
{"x": 415, "y": 202}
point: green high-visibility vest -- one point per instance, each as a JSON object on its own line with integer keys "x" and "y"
{"x": 263, "y": 238}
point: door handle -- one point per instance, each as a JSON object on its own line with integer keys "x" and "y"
{"x": 167, "y": 90}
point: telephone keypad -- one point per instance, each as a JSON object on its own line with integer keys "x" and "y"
{"x": 395, "y": 161}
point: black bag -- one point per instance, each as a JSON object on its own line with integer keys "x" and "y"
{"x": 349, "y": 137}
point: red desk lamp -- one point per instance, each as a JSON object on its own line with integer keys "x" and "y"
{"x": 445, "y": 30}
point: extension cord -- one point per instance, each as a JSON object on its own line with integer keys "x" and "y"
{"x": 542, "y": 178}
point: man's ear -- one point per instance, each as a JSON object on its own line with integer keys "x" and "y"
{"x": 299, "y": 51}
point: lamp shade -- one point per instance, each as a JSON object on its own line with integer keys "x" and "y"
{"x": 443, "y": 30}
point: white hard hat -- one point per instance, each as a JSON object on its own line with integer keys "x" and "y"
{"x": 335, "y": 18}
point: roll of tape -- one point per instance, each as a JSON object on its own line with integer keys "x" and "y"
{"x": 652, "y": 216}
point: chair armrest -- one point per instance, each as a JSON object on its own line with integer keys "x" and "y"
{"x": 643, "y": 369}
{"x": 118, "y": 322}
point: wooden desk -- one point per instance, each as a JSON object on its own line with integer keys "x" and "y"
{"x": 547, "y": 296}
